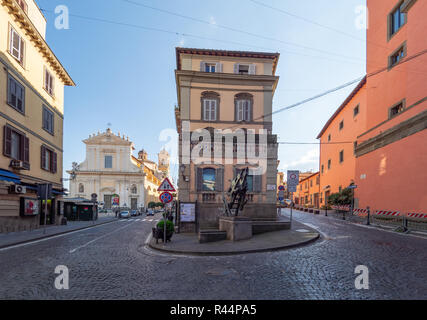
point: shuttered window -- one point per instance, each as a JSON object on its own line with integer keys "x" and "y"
{"x": 16, "y": 46}
{"x": 48, "y": 118}
{"x": 49, "y": 160}
{"x": 243, "y": 110}
{"x": 16, "y": 95}
{"x": 209, "y": 110}
{"x": 48, "y": 82}
{"x": 16, "y": 145}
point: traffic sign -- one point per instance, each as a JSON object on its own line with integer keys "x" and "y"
{"x": 282, "y": 188}
{"x": 281, "y": 195}
{"x": 352, "y": 187}
{"x": 166, "y": 197}
{"x": 167, "y": 186}
{"x": 293, "y": 179}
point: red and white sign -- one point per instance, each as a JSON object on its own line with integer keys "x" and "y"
{"x": 166, "y": 197}
{"x": 387, "y": 213}
{"x": 166, "y": 186}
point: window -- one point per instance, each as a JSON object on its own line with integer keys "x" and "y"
{"x": 209, "y": 109}
{"x": 16, "y": 46}
{"x": 210, "y": 67}
{"x": 323, "y": 168}
{"x": 23, "y": 5}
{"x": 243, "y": 69}
{"x": 311, "y": 183}
{"x": 108, "y": 162}
{"x": 243, "y": 110}
{"x": 397, "y": 56}
{"x": 249, "y": 180}
{"x": 48, "y": 160}
{"x": 329, "y": 138}
{"x": 48, "y": 120}
{"x": 356, "y": 111}
{"x": 81, "y": 188}
{"x": 329, "y": 164}
{"x": 396, "y": 20}
{"x": 397, "y": 109}
{"x": 134, "y": 189}
{"x": 342, "y": 156}
{"x": 16, "y": 145}
{"x": 342, "y": 125}
{"x": 208, "y": 180}
{"x": 16, "y": 95}
{"x": 48, "y": 82}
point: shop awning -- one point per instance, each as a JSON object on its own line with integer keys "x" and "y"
{"x": 6, "y": 175}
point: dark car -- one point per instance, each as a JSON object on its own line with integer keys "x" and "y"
{"x": 134, "y": 213}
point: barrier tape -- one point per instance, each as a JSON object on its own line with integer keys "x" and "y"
{"x": 387, "y": 213}
{"x": 343, "y": 208}
{"x": 417, "y": 215}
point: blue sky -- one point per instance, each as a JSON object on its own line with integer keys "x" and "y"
{"x": 125, "y": 75}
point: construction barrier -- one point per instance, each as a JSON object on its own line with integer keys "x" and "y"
{"x": 341, "y": 208}
{"x": 360, "y": 212}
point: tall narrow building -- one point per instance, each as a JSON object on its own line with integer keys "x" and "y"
{"x": 32, "y": 84}
{"x": 225, "y": 90}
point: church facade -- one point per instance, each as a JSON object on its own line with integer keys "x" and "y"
{"x": 114, "y": 174}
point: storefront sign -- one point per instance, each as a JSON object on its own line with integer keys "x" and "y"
{"x": 188, "y": 212}
{"x": 116, "y": 200}
{"x": 29, "y": 207}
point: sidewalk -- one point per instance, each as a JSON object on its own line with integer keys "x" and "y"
{"x": 299, "y": 235}
{"x": 15, "y": 238}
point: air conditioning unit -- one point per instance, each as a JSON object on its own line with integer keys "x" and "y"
{"x": 19, "y": 165}
{"x": 18, "y": 189}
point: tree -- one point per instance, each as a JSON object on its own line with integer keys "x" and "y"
{"x": 151, "y": 205}
{"x": 341, "y": 198}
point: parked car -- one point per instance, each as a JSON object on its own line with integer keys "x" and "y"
{"x": 134, "y": 213}
{"x": 124, "y": 214}
{"x": 150, "y": 212}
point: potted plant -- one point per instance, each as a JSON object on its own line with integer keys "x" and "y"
{"x": 158, "y": 232}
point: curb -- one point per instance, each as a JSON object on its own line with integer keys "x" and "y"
{"x": 222, "y": 253}
{"x": 51, "y": 235}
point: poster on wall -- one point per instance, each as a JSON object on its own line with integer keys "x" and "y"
{"x": 116, "y": 200}
{"x": 29, "y": 207}
{"x": 188, "y": 212}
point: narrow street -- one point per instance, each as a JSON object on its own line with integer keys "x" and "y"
{"x": 111, "y": 262}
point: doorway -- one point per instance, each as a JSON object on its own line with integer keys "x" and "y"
{"x": 133, "y": 203}
{"x": 108, "y": 199}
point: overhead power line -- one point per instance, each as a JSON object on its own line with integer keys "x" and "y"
{"x": 239, "y": 30}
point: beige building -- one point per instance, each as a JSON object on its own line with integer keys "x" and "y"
{"x": 32, "y": 84}
{"x": 114, "y": 174}
{"x": 220, "y": 89}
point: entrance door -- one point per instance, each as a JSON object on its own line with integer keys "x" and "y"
{"x": 50, "y": 218}
{"x": 133, "y": 203}
{"x": 108, "y": 201}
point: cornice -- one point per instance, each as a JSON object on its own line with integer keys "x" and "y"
{"x": 21, "y": 17}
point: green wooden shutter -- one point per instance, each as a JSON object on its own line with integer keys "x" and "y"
{"x": 219, "y": 180}
{"x": 7, "y": 141}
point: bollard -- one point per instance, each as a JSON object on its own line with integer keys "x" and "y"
{"x": 369, "y": 213}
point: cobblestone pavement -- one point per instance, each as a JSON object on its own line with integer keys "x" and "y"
{"x": 111, "y": 262}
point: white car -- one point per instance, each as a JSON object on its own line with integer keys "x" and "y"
{"x": 124, "y": 214}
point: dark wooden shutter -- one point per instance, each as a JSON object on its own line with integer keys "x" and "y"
{"x": 199, "y": 179}
{"x": 21, "y": 147}
{"x": 219, "y": 180}
{"x": 43, "y": 158}
{"x": 26, "y": 150}
{"x": 54, "y": 158}
{"x": 7, "y": 141}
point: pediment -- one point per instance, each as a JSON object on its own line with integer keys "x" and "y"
{"x": 107, "y": 139}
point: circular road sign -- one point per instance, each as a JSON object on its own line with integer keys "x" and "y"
{"x": 166, "y": 197}
{"x": 281, "y": 188}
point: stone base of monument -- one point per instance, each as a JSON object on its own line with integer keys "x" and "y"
{"x": 237, "y": 228}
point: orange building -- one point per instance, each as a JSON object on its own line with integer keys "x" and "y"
{"x": 308, "y": 191}
{"x": 337, "y": 143}
{"x": 392, "y": 152}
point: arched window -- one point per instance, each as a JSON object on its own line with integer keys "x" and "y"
{"x": 134, "y": 189}
{"x": 243, "y": 107}
{"x": 210, "y": 106}
{"x": 209, "y": 178}
{"x": 81, "y": 188}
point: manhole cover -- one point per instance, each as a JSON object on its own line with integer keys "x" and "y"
{"x": 303, "y": 230}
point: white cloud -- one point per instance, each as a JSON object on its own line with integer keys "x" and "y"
{"x": 212, "y": 21}
{"x": 311, "y": 157}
